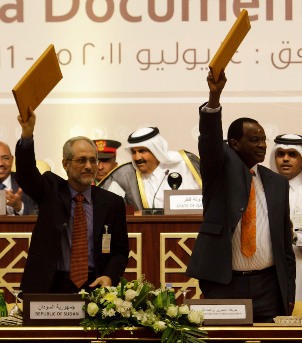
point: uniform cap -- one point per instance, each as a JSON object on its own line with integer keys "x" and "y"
{"x": 106, "y": 148}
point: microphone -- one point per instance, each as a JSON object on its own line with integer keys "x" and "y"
{"x": 174, "y": 180}
{"x": 154, "y": 210}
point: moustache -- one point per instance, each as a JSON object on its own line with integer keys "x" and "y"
{"x": 140, "y": 161}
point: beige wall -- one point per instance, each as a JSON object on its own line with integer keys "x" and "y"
{"x": 120, "y": 75}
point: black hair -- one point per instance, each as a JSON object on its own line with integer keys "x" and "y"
{"x": 235, "y": 130}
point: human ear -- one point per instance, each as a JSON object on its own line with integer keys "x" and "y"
{"x": 234, "y": 144}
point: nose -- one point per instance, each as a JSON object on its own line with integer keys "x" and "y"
{"x": 262, "y": 143}
{"x": 136, "y": 156}
{"x": 88, "y": 164}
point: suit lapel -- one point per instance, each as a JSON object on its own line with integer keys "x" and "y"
{"x": 14, "y": 184}
{"x": 65, "y": 195}
{"x": 100, "y": 209}
{"x": 268, "y": 186}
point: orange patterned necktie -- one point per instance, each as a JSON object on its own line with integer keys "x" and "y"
{"x": 248, "y": 224}
{"x": 79, "y": 245}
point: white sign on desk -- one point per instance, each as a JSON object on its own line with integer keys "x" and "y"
{"x": 224, "y": 311}
{"x": 52, "y": 309}
{"x": 183, "y": 201}
{"x": 56, "y": 310}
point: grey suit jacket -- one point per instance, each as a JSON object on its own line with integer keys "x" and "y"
{"x": 226, "y": 184}
{"x": 30, "y": 206}
{"x": 54, "y": 199}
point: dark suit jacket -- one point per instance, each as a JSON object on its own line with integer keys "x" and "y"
{"x": 30, "y": 206}
{"x": 226, "y": 184}
{"x": 54, "y": 199}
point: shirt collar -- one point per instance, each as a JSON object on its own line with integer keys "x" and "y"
{"x": 86, "y": 193}
{"x": 8, "y": 182}
{"x": 255, "y": 169}
{"x": 296, "y": 182}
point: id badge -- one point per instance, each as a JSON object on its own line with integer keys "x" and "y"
{"x": 297, "y": 220}
{"x": 106, "y": 241}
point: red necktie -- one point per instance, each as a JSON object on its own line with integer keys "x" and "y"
{"x": 79, "y": 246}
{"x": 248, "y": 224}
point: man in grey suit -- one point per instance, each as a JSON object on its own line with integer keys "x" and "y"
{"x": 268, "y": 275}
{"x": 17, "y": 202}
{"x": 48, "y": 267}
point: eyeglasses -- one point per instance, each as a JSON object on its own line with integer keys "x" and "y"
{"x": 5, "y": 158}
{"x": 82, "y": 161}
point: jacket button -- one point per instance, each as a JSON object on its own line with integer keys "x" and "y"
{"x": 242, "y": 209}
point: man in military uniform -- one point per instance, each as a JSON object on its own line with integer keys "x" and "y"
{"x": 106, "y": 157}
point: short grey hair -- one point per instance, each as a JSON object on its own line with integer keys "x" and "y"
{"x": 67, "y": 147}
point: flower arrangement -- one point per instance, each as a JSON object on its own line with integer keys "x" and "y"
{"x": 138, "y": 304}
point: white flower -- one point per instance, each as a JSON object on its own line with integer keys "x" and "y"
{"x": 83, "y": 292}
{"x": 123, "y": 307}
{"x": 118, "y": 302}
{"x": 196, "y": 317}
{"x": 92, "y": 309}
{"x": 156, "y": 292}
{"x": 108, "y": 313}
{"x": 130, "y": 294}
{"x": 172, "y": 311}
{"x": 183, "y": 309}
{"x": 159, "y": 326}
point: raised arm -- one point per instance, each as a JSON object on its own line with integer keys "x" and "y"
{"x": 29, "y": 125}
{"x": 215, "y": 89}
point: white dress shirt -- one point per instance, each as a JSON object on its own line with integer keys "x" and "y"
{"x": 263, "y": 257}
{"x": 295, "y": 204}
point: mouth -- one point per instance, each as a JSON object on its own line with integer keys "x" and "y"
{"x": 140, "y": 164}
{"x": 260, "y": 154}
{"x": 286, "y": 166}
{"x": 88, "y": 174}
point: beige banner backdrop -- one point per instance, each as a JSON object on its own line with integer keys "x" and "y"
{"x": 133, "y": 63}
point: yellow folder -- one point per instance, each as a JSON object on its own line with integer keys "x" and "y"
{"x": 38, "y": 81}
{"x": 230, "y": 44}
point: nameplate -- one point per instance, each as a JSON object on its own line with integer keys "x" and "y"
{"x": 185, "y": 201}
{"x": 52, "y": 309}
{"x": 224, "y": 311}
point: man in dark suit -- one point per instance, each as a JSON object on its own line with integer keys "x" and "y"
{"x": 223, "y": 270}
{"x": 17, "y": 202}
{"x": 50, "y": 254}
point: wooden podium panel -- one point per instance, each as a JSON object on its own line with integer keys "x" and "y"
{"x": 160, "y": 248}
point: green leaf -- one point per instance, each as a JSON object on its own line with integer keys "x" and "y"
{"x": 143, "y": 295}
{"x": 166, "y": 334}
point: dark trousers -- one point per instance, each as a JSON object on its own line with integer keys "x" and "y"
{"x": 62, "y": 283}
{"x": 262, "y": 287}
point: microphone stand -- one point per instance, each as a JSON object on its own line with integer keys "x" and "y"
{"x": 154, "y": 210}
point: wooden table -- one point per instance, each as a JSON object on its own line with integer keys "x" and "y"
{"x": 256, "y": 333}
{"x": 160, "y": 245}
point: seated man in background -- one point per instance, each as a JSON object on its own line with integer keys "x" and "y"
{"x": 17, "y": 202}
{"x": 106, "y": 163}
{"x": 286, "y": 159}
{"x": 106, "y": 157}
{"x": 80, "y": 239}
{"x": 145, "y": 178}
